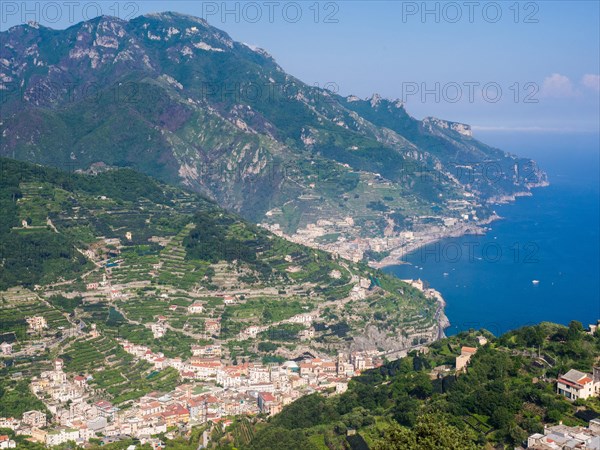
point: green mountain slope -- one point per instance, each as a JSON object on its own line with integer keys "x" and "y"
{"x": 123, "y": 252}
{"x": 173, "y": 97}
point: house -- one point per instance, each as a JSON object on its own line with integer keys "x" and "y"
{"x": 151, "y": 408}
{"x": 197, "y": 409}
{"x": 9, "y": 422}
{"x": 80, "y": 381}
{"x": 229, "y": 300}
{"x": 85, "y": 433}
{"x": 268, "y": 404}
{"x": 251, "y": 332}
{"x": 204, "y": 368}
{"x": 579, "y": 385}
{"x": 6, "y": 442}
{"x": 195, "y": 308}
{"x": 91, "y": 286}
{"x": 212, "y": 326}
{"x": 173, "y": 308}
{"x": 158, "y": 329}
{"x": 35, "y": 419}
{"x": 307, "y": 334}
{"x": 465, "y": 356}
{"x": 60, "y": 436}
{"x": 175, "y": 414}
{"x": 106, "y": 409}
{"x": 211, "y": 350}
{"x": 38, "y": 435}
{"x": 6, "y": 348}
{"x": 115, "y": 293}
{"x": 94, "y": 333}
{"x": 259, "y": 374}
{"x": 36, "y": 323}
{"x": 229, "y": 377}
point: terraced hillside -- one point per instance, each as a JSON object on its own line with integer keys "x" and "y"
{"x": 164, "y": 268}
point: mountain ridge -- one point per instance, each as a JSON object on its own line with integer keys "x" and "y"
{"x": 173, "y": 97}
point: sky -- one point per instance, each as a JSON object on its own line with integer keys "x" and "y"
{"x": 499, "y": 66}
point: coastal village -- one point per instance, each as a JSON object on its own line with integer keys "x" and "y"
{"x": 213, "y": 377}
{"x": 341, "y": 236}
{"x": 211, "y": 388}
{"x": 211, "y": 392}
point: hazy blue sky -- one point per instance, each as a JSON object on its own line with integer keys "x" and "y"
{"x": 543, "y": 56}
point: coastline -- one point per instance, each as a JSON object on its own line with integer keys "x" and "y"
{"x": 428, "y": 237}
{"x": 440, "y": 316}
{"x": 476, "y": 228}
{"x": 424, "y": 238}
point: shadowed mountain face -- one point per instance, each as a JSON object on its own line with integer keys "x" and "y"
{"x": 170, "y": 96}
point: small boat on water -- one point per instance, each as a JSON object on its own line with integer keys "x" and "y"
{"x": 535, "y": 281}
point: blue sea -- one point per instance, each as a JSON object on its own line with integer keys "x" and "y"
{"x": 551, "y": 237}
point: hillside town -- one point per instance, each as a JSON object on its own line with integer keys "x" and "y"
{"x": 213, "y": 392}
{"x": 210, "y": 392}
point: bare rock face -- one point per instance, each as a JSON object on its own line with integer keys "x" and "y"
{"x": 460, "y": 128}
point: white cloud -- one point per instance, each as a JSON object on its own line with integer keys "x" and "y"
{"x": 591, "y": 81}
{"x": 558, "y": 86}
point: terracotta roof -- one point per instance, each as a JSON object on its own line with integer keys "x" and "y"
{"x": 575, "y": 376}
{"x": 267, "y": 396}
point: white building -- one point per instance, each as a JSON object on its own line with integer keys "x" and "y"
{"x": 61, "y": 436}
{"x": 195, "y": 308}
{"x": 6, "y": 348}
{"x": 6, "y": 442}
{"x": 35, "y": 419}
{"x": 579, "y": 385}
{"x": 158, "y": 329}
{"x": 36, "y": 323}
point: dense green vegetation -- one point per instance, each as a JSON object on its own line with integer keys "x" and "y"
{"x": 39, "y": 254}
{"x": 16, "y": 397}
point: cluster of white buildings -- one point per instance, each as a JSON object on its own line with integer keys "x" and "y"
{"x": 211, "y": 391}
{"x": 353, "y": 249}
{"x": 305, "y": 319}
{"x": 75, "y": 417}
{"x": 243, "y": 388}
{"x": 309, "y": 236}
{"x": 562, "y": 437}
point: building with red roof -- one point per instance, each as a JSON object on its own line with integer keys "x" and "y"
{"x": 576, "y": 385}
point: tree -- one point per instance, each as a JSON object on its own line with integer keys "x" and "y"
{"x": 431, "y": 432}
{"x": 574, "y": 331}
{"x": 501, "y": 417}
{"x": 275, "y": 438}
